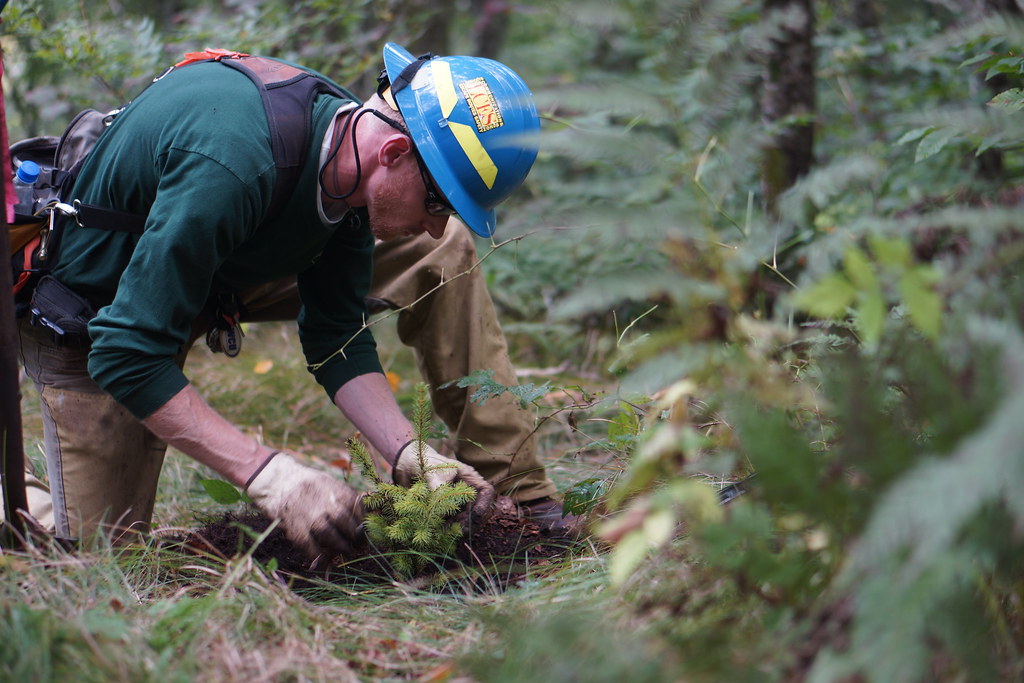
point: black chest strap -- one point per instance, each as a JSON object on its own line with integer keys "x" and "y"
{"x": 287, "y": 93}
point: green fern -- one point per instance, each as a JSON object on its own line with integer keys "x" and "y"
{"x": 412, "y": 524}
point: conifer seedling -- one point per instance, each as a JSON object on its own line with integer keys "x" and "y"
{"x": 413, "y": 525}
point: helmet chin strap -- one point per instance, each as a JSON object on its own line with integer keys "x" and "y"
{"x": 387, "y": 88}
{"x": 352, "y": 121}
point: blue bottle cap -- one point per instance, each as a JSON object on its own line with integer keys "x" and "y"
{"x": 28, "y": 172}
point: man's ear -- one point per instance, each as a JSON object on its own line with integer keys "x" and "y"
{"x": 393, "y": 149}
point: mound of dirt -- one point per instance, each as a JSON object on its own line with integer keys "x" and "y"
{"x": 502, "y": 546}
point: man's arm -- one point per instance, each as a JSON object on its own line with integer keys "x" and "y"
{"x": 318, "y": 512}
{"x": 369, "y": 404}
{"x": 189, "y": 424}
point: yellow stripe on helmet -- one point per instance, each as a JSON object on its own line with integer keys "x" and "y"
{"x": 474, "y": 150}
{"x": 444, "y": 84}
{"x": 447, "y": 96}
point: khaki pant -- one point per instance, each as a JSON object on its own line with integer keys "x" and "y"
{"x": 104, "y": 465}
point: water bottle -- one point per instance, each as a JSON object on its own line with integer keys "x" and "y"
{"x": 24, "y": 187}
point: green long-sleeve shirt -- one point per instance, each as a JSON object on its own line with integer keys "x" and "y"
{"x": 193, "y": 153}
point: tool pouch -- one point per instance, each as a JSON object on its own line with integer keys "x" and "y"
{"x": 59, "y": 309}
{"x": 225, "y": 333}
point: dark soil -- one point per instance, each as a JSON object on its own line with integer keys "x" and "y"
{"x": 495, "y": 552}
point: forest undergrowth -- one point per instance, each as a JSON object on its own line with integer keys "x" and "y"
{"x": 786, "y": 395}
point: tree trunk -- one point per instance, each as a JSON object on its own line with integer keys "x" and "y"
{"x": 436, "y": 20}
{"x": 788, "y": 104}
{"x": 865, "y": 14}
{"x": 12, "y": 457}
{"x": 491, "y": 26}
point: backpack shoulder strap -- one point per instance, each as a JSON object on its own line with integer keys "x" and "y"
{"x": 288, "y": 93}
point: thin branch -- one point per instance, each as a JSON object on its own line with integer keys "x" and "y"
{"x": 366, "y": 325}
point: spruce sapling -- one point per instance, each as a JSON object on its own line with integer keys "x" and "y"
{"x": 412, "y": 524}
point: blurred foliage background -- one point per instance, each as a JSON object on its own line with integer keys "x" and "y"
{"x": 782, "y": 241}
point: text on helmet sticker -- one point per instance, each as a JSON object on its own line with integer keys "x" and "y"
{"x": 482, "y": 104}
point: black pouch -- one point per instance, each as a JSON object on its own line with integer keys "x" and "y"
{"x": 66, "y": 313}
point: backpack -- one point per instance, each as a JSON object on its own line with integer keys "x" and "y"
{"x": 287, "y": 93}
{"x": 34, "y": 237}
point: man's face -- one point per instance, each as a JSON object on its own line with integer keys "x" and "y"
{"x": 397, "y": 208}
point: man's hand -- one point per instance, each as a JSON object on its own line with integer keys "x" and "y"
{"x": 319, "y": 514}
{"x": 441, "y": 470}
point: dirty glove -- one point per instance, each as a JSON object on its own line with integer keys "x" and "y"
{"x": 441, "y": 470}
{"x": 319, "y": 514}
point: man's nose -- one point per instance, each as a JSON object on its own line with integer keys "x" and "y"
{"x": 435, "y": 226}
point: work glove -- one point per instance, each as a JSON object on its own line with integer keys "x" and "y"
{"x": 319, "y": 514}
{"x": 441, "y": 470}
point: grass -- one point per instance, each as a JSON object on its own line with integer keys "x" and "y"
{"x": 150, "y": 612}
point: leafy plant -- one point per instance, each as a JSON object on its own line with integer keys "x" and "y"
{"x": 222, "y": 492}
{"x": 871, "y": 288}
{"x": 860, "y": 351}
{"x": 487, "y": 387}
{"x": 585, "y": 495}
{"x": 413, "y": 525}
{"x": 835, "y": 350}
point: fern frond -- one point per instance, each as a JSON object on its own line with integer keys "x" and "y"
{"x": 926, "y": 510}
{"x": 918, "y": 555}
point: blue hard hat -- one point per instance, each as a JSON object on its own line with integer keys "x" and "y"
{"x": 474, "y": 123}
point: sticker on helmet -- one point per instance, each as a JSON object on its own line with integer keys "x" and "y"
{"x": 482, "y": 103}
